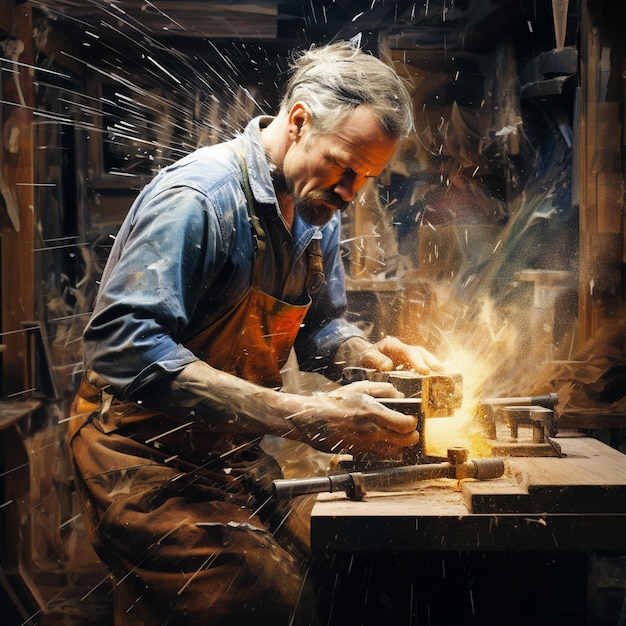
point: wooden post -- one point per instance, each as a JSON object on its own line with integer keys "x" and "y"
{"x": 16, "y": 246}
{"x": 601, "y": 195}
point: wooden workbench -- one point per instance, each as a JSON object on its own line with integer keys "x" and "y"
{"x": 577, "y": 502}
{"x": 516, "y": 550}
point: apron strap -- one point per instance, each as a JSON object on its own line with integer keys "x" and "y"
{"x": 258, "y": 232}
{"x": 315, "y": 277}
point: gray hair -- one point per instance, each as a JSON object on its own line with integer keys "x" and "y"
{"x": 333, "y": 80}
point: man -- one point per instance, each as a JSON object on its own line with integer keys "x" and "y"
{"x": 226, "y": 261}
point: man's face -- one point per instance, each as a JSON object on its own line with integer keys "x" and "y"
{"x": 324, "y": 172}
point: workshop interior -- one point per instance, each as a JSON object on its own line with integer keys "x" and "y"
{"x": 495, "y": 239}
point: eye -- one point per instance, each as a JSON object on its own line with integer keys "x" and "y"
{"x": 336, "y": 165}
{"x": 341, "y": 168}
{"x": 345, "y": 170}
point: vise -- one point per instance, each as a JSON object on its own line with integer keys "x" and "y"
{"x": 500, "y": 417}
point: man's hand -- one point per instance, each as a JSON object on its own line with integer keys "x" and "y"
{"x": 386, "y": 355}
{"x": 351, "y": 420}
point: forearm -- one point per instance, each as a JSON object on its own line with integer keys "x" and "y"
{"x": 350, "y": 419}
{"x": 221, "y": 402}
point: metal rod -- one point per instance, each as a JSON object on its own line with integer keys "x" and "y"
{"x": 548, "y": 400}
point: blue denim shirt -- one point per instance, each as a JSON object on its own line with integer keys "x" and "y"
{"x": 183, "y": 258}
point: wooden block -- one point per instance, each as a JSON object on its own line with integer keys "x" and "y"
{"x": 591, "y": 478}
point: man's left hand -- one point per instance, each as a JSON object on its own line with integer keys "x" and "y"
{"x": 386, "y": 355}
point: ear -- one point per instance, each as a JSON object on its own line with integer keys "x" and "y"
{"x": 299, "y": 117}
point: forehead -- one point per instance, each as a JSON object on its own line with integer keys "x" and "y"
{"x": 362, "y": 143}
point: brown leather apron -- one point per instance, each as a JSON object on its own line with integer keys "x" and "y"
{"x": 188, "y": 531}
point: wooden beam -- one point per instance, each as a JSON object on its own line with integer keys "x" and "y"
{"x": 17, "y": 257}
{"x": 590, "y": 61}
{"x": 244, "y": 19}
{"x": 601, "y": 183}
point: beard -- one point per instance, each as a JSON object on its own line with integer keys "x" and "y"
{"x": 318, "y": 207}
{"x": 315, "y": 208}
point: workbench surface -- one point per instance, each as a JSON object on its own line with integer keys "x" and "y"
{"x": 573, "y": 503}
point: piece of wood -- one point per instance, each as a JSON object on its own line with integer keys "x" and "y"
{"x": 516, "y": 449}
{"x": 242, "y": 19}
{"x": 542, "y": 88}
{"x": 434, "y": 518}
{"x": 591, "y": 478}
{"x": 605, "y": 165}
{"x": 559, "y": 14}
{"x": 590, "y": 51}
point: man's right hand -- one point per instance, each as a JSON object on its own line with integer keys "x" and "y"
{"x": 351, "y": 420}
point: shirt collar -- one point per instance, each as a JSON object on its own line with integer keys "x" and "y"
{"x": 256, "y": 161}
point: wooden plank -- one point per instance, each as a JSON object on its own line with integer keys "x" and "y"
{"x": 229, "y": 20}
{"x": 591, "y": 478}
{"x": 610, "y": 203}
{"x": 605, "y": 166}
{"x": 434, "y": 517}
{"x": 542, "y": 88}
{"x": 590, "y": 90}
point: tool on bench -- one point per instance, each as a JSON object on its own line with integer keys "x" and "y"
{"x": 537, "y": 412}
{"x": 356, "y": 484}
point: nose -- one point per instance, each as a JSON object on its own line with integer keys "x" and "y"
{"x": 347, "y": 186}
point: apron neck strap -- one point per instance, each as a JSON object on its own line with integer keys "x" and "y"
{"x": 258, "y": 232}
{"x": 315, "y": 278}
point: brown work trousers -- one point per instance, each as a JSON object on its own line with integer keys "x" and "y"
{"x": 189, "y": 539}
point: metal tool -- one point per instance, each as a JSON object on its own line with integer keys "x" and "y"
{"x": 536, "y": 412}
{"x": 548, "y": 401}
{"x": 356, "y": 484}
{"x": 541, "y": 422}
{"x": 489, "y": 408}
